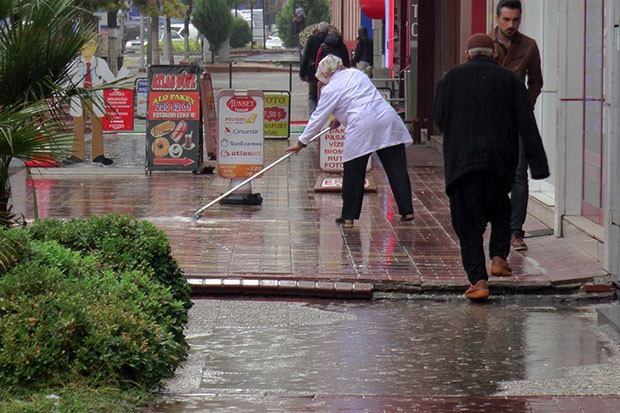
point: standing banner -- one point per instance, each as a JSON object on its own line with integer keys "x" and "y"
{"x": 240, "y": 148}
{"x": 173, "y": 126}
{"x": 331, "y": 146}
{"x": 277, "y": 113}
{"x": 118, "y": 111}
{"x": 209, "y": 115}
{"x": 142, "y": 92}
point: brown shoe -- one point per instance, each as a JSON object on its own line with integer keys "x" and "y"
{"x": 500, "y": 267}
{"x": 517, "y": 243}
{"x": 407, "y": 217}
{"x": 478, "y": 291}
{"x": 345, "y": 223}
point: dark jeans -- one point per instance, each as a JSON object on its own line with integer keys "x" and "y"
{"x": 313, "y": 86}
{"x": 476, "y": 199}
{"x": 519, "y": 194}
{"x": 394, "y": 160}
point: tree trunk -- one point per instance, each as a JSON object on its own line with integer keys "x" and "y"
{"x": 154, "y": 41}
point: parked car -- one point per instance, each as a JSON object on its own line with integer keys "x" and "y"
{"x": 174, "y": 35}
{"x": 273, "y": 41}
{"x": 134, "y": 45}
{"x": 180, "y": 28}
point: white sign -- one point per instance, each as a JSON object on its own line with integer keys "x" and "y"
{"x": 240, "y": 137}
{"x": 331, "y": 146}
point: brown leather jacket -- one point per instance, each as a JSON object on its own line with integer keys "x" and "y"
{"x": 523, "y": 58}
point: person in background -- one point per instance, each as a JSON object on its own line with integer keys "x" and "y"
{"x": 519, "y": 53}
{"x": 307, "y": 67}
{"x": 333, "y": 44}
{"x": 482, "y": 108}
{"x": 298, "y": 23}
{"x": 371, "y": 125}
{"x": 363, "y": 55}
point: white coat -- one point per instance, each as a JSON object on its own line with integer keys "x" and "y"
{"x": 370, "y": 122}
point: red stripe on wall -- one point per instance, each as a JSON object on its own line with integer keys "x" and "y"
{"x": 479, "y": 16}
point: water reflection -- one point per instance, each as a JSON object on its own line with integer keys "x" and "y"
{"x": 398, "y": 349}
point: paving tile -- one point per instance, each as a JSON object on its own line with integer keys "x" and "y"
{"x": 292, "y": 235}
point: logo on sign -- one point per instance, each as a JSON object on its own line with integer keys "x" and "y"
{"x": 241, "y": 104}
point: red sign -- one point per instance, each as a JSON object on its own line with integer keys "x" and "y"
{"x": 119, "y": 110}
{"x": 241, "y": 104}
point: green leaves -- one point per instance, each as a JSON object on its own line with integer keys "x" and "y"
{"x": 98, "y": 300}
{"x": 213, "y": 19}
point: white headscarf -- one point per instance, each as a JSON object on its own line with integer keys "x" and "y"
{"x": 327, "y": 67}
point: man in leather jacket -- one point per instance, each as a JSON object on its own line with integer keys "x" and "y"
{"x": 519, "y": 53}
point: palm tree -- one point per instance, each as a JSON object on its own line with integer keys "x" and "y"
{"x": 39, "y": 39}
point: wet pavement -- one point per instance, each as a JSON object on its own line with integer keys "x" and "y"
{"x": 442, "y": 355}
{"x": 523, "y": 351}
{"x": 290, "y": 245}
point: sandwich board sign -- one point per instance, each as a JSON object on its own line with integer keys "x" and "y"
{"x": 240, "y": 146}
{"x": 173, "y": 126}
{"x": 331, "y": 146}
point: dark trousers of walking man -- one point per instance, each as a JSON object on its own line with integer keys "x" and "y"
{"x": 478, "y": 198}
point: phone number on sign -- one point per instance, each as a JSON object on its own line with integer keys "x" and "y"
{"x": 175, "y": 107}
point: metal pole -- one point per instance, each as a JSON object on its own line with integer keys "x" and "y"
{"x": 229, "y": 75}
{"x": 290, "y": 77}
{"x": 196, "y": 214}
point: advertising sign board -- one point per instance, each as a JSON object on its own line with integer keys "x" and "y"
{"x": 331, "y": 146}
{"x": 142, "y": 92}
{"x": 209, "y": 115}
{"x": 240, "y": 148}
{"x": 173, "y": 128}
{"x": 277, "y": 114}
{"x": 119, "y": 110}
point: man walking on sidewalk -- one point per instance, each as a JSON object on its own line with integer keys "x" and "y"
{"x": 482, "y": 109}
{"x": 519, "y": 53}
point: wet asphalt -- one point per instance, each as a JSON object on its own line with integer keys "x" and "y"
{"x": 513, "y": 355}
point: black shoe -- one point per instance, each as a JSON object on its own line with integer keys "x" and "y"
{"x": 346, "y": 223}
{"x": 407, "y": 217}
{"x": 103, "y": 160}
{"x": 72, "y": 160}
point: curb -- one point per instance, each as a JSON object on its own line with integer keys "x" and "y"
{"x": 366, "y": 290}
{"x": 273, "y": 287}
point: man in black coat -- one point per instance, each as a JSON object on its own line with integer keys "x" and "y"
{"x": 481, "y": 108}
{"x": 307, "y": 67}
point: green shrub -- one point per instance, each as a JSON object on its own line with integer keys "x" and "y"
{"x": 121, "y": 243}
{"x": 178, "y": 48}
{"x": 65, "y": 319}
{"x": 12, "y": 247}
{"x": 241, "y": 34}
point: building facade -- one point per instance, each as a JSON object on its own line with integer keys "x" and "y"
{"x": 577, "y": 112}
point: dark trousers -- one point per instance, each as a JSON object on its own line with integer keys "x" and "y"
{"x": 313, "y": 93}
{"x": 394, "y": 160}
{"x": 519, "y": 194}
{"x": 476, "y": 199}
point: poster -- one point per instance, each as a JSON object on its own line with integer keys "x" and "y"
{"x": 142, "y": 89}
{"x": 277, "y": 114}
{"x": 173, "y": 127}
{"x": 209, "y": 115}
{"x": 331, "y": 145}
{"x": 119, "y": 110}
{"x": 240, "y": 135}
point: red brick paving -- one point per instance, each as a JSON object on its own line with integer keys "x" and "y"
{"x": 292, "y": 235}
